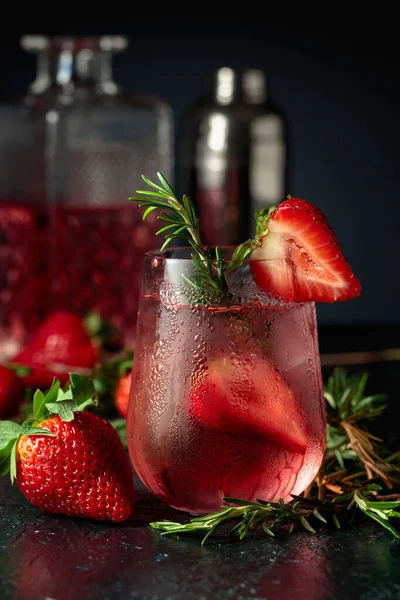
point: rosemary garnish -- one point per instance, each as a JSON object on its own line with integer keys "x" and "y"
{"x": 207, "y": 277}
{"x": 345, "y": 488}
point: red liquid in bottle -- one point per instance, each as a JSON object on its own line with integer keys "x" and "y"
{"x": 24, "y": 272}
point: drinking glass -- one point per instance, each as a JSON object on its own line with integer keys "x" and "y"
{"x": 226, "y": 400}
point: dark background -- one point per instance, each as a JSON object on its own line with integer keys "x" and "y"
{"x": 340, "y": 91}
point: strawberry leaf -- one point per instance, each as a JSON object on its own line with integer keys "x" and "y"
{"x": 13, "y": 461}
{"x": 39, "y": 406}
{"x": 9, "y": 431}
{"x": 77, "y": 397}
{"x": 52, "y": 394}
{"x": 262, "y": 218}
{"x": 6, "y": 450}
{"x": 40, "y": 412}
{"x": 82, "y": 388}
{"x": 83, "y": 405}
{"x": 64, "y": 395}
{"x": 83, "y": 391}
{"x": 65, "y": 410}
{"x": 28, "y": 429}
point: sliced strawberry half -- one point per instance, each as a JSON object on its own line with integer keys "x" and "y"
{"x": 249, "y": 400}
{"x": 298, "y": 257}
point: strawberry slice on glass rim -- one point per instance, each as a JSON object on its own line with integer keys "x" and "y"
{"x": 250, "y": 400}
{"x": 297, "y": 257}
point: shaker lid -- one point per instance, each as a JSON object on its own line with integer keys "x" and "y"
{"x": 248, "y": 85}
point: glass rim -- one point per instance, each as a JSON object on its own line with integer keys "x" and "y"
{"x": 162, "y": 255}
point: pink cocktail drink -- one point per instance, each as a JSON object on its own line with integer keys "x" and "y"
{"x": 226, "y": 401}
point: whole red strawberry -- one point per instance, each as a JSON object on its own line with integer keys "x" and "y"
{"x": 61, "y": 344}
{"x": 69, "y": 461}
{"x": 121, "y": 397}
{"x": 10, "y": 393}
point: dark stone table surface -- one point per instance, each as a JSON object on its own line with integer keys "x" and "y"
{"x": 43, "y": 556}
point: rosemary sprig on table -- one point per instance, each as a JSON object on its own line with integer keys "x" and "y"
{"x": 349, "y": 443}
{"x": 346, "y": 485}
{"x": 244, "y": 516}
{"x": 207, "y": 277}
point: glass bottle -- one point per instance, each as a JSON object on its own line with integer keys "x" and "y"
{"x": 233, "y": 154}
{"x": 24, "y": 220}
{"x": 82, "y": 144}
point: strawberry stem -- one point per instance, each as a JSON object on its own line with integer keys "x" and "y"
{"x": 79, "y": 395}
{"x": 262, "y": 217}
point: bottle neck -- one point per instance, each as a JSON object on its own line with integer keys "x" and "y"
{"x": 68, "y": 64}
{"x": 67, "y": 71}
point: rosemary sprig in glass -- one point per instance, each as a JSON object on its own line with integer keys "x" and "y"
{"x": 345, "y": 488}
{"x": 207, "y": 277}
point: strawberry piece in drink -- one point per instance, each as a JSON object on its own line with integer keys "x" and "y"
{"x": 251, "y": 401}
